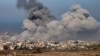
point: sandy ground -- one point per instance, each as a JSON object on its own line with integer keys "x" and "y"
{"x": 68, "y": 54}
{"x": 75, "y": 53}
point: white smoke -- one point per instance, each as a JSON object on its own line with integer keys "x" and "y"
{"x": 75, "y": 21}
{"x": 79, "y": 19}
{"x": 29, "y": 25}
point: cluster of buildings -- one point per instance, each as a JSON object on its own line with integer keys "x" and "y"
{"x": 6, "y": 44}
{"x": 45, "y": 45}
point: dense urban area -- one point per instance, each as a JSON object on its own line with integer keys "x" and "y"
{"x": 48, "y": 48}
{"x": 6, "y": 44}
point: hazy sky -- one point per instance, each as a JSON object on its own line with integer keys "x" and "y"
{"x": 11, "y": 18}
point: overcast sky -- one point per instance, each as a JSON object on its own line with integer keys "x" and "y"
{"x": 11, "y": 18}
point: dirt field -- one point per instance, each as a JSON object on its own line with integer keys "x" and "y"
{"x": 75, "y": 53}
{"x": 68, "y": 54}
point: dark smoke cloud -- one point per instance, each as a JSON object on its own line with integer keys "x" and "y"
{"x": 26, "y": 4}
{"x": 75, "y": 24}
{"x": 37, "y": 13}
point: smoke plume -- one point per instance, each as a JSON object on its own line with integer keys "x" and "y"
{"x": 75, "y": 21}
{"x": 79, "y": 19}
{"x": 41, "y": 24}
{"x": 37, "y": 13}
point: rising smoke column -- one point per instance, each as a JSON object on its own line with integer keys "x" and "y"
{"x": 26, "y": 4}
{"x": 74, "y": 21}
{"x": 41, "y": 24}
{"x": 79, "y": 19}
{"x": 37, "y": 13}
